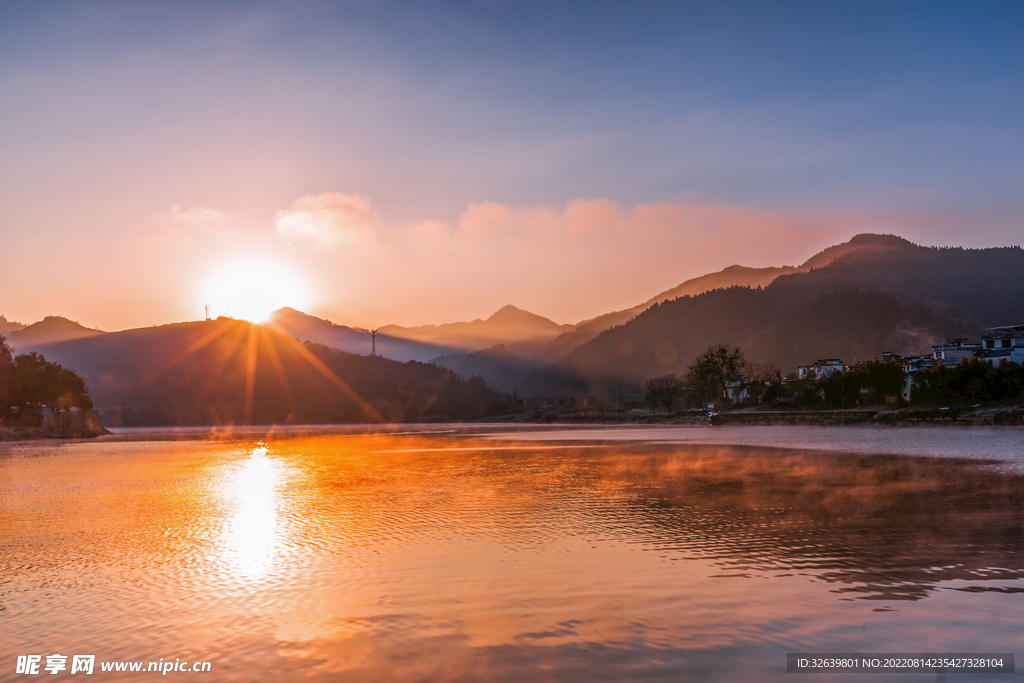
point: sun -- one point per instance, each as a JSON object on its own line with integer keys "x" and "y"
{"x": 251, "y": 289}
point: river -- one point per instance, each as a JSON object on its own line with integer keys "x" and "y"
{"x": 482, "y": 553}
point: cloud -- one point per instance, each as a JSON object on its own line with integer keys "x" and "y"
{"x": 183, "y": 228}
{"x": 199, "y": 216}
{"x": 574, "y": 261}
{"x": 590, "y": 256}
{"x": 579, "y": 217}
{"x": 604, "y": 221}
{"x": 431, "y": 230}
{"x": 328, "y": 220}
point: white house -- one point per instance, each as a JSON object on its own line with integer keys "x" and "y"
{"x": 911, "y": 365}
{"x": 821, "y": 369}
{"x": 1002, "y": 343}
{"x": 954, "y": 351}
{"x": 736, "y": 389}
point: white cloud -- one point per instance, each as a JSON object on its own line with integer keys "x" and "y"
{"x": 199, "y": 216}
{"x": 183, "y": 228}
{"x": 329, "y": 219}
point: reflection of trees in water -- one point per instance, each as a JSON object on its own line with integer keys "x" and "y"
{"x": 884, "y": 527}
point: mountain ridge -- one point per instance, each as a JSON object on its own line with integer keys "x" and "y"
{"x": 52, "y": 328}
{"x": 507, "y": 325}
{"x": 727, "y": 277}
{"x": 198, "y": 373}
{"x": 890, "y": 295}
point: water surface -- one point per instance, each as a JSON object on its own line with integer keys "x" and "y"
{"x": 479, "y": 554}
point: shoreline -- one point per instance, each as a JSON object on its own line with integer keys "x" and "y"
{"x": 949, "y": 416}
{"x": 1010, "y": 415}
{"x": 39, "y": 434}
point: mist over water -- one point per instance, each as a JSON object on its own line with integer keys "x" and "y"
{"x": 478, "y": 554}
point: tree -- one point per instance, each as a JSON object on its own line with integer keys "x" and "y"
{"x": 760, "y": 376}
{"x": 6, "y": 377}
{"x": 38, "y": 383}
{"x": 664, "y": 389}
{"x": 884, "y": 377}
{"x": 970, "y": 380}
{"x": 706, "y": 376}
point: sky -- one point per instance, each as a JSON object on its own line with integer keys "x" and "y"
{"x": 410, "y": 163}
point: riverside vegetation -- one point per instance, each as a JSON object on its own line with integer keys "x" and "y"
{"x": 30, "y": 385}
{"x": 873, "y": 383}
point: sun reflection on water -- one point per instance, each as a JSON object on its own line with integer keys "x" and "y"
{"x": 252, "y": 531}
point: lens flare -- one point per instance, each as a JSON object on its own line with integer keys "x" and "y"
{"x": 253, "y": 289}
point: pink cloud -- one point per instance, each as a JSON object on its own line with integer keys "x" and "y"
{"x": 663, "y": 220}
{"x": 568, "y": 262}
{"x": 591, "y": 256}
{"x": 329, "y": 219}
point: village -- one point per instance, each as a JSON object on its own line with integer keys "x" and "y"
{"x": 997, "y": 345}
{"x": 959, "y": 371}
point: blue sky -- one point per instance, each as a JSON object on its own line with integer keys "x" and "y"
{"x": 116, "y": 111}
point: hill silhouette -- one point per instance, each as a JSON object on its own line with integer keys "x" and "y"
{"x": 306, "y": 327}
{"x": 234, "y": 372}
{"x": 877, "y": 293}
{"x": 52, "y": 328}
{"x": 732, "y": 276}
{"x": 8, "y": 326}
{"x": 501, "y": 367}
{"x": 508, "y": 325}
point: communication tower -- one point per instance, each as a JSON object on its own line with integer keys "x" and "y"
{"x": 373, "y": 347}
{"x": 208, "y": 313}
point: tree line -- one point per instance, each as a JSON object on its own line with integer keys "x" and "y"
{"x": 872, "y": 382}
{"x": 970, "y": 380}
{"x": 29, "y": 383}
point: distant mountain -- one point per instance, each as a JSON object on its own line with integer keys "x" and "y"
{"x": 987, "y": 284}
{"x": 501, "y": 367}
{"x": 50, "y": 329}
{"x": 875, "y": 293}
{"x": 729, "y": 277}
{"x": 305, "y": 327}
{"x": 863, "y": 244}
{"x": 507, "y": 326}
{"x": 8, "y": 326}
{"x": 201, "y": 373}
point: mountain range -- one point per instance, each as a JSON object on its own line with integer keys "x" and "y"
{"x": 52, "y": 328}
{"x": 509, "y": 325}
{"x": 878, "y": 293}
{"x": 852, "y": 301}
{"x": 732, "y": 276}
{"x": 229, "y": 371}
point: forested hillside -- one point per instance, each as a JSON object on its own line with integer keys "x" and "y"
{"x": 898, "y": 297}
{"x": 233, "y": 372}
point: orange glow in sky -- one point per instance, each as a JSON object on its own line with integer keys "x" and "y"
{"x": 252, "y": 289}
{"x": 419, "y": 165}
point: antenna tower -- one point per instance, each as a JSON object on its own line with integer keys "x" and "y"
{"x": 373, "y": 348}
{"x": 207, "y": 312}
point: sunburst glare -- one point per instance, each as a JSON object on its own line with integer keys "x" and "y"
{"x": 252, "y": 289}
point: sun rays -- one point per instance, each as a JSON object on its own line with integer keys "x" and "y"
{"x": 253, "y": 288}
{"x": 250, "y": 339}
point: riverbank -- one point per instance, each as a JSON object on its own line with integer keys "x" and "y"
{"x": 950, "y": 415}
{"x": 1010, "y": 414}
{"x": 37, "y": 433}
{"x": 55, "y": 425}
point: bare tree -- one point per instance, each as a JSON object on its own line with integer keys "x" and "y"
{"x": 759, "y": 376}
{"x": 763, "y": 372}
{"x": 706, "y": 376}
{"x": 664, "y": 389}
